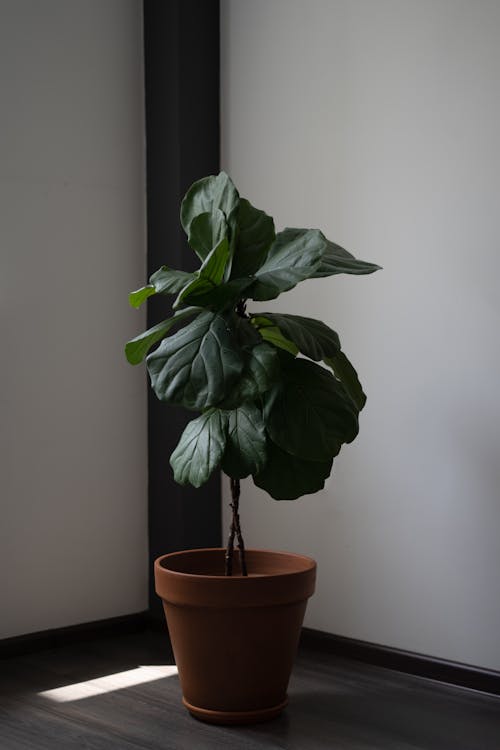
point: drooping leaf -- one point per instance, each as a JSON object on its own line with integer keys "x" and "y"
{"x": 200, "y": 449}
{"x": 310, "y": 414}
{"x": 312, "y": 337}
{"x": 345, "y": 372}
{"x": 164, "y": 281}
{"x": 206, "y": 231}
{"x": 246, "y": 442}
{"x": 198, "y": 366}
{"x": 207, "y": 195}
{"x": 337, "y": 260}
{"x": 287, "y": 477}
{"x": 137, "y": 348}
{"x": 255, "y": 236}
{"x": 294, "y": 256}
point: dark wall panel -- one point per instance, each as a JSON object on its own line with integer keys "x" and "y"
{"x": 181, "y": 51}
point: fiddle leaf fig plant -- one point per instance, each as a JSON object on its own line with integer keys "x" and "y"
{"x": 276, "y": 395}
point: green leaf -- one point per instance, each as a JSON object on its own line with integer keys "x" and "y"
{"x": 208, "y": 277}
{"x": 287, "y": 477}
{"x": 139, "y": 296}
{"x": 219, "y": 297}
{"x": 345, "y": 372}
{"x": 200, "y": 448}
{"x": 260, "y": 373}
{"x": 310, "y": 415}
{"x": 337, "y": 260}
{"x": 170, "y": 281}
{"x": 207, "y": 195}
{"x": 294, "y": 256}
{"x": 137, "y": 348}
{"x": 255, "y": 236}
{"x": 164, "y": 281}
{"x": 246, "y": 442}
{"x": 312, "y": 337}
{"x": 260, "y": 368}
{"x": 198, "y": 366}
{"x": 273, "y": 335}
{"x": 206, "y": 231}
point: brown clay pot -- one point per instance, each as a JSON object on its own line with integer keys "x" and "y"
{"x": 234, "y": 638}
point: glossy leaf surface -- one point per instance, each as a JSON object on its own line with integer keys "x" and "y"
{"x": 207, "y": 195}
{"x": 348, "y": 376}
{"x": 138, "y": 347}
{"x": 286, "y": 477}
{"x": 311, "y": 337}
{"x": 337, "y": 260}
{"x": 294, "y": 256}
{"x": 310, "y": 414}
{"x": 200, "y": 448}
{"x": 246, "y": 442}
{"x": 206, "y": 231}
{"x": 255, "y": 236}
{"x": 198, "y": 366}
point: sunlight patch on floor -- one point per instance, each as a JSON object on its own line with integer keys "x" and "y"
{"x": 108, "y": 683}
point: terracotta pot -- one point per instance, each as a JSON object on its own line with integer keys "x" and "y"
{"x": 234, "y": 638}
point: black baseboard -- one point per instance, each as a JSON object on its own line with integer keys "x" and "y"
{"x": 87, "y": 631}
{"x": 441, "y": 670}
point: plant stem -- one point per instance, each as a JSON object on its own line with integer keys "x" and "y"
{"x": 235, "y": 531}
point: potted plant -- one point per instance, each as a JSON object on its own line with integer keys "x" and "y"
{"x": 276, "y": 398}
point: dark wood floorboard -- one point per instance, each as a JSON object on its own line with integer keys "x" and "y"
{"x": 334, "y": 703}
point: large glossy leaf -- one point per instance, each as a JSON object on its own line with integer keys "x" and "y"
{"x": 206, "y": 231}
{"x": 164, "y": 281}
{"x": 311, "y": 337}
{"x": 246, "y": 442}
{"x": 294, "y": 256}
{"x": 207, "y": 195}
{"x": 337, "y": 260}
{"x": 260, "y": 365}
{"x": 260, "y": 373}
{"x": 255, "y": 236}
{"x": 310, "y": 414}
{"x": 348, "y": 376}
{"x": 138, "y": 347}
{"x": 198, "y": 366}
{"x": 286, "y": 477}
{"x": 200, "y": 448}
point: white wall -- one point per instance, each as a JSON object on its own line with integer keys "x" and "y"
{"x": 73, "y": 528}
{"x": 378, "y": 122}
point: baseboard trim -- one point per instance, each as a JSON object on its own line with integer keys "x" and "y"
{"x": 87, "y": 631}
{"x": 441, "y": 670}
{"x": 408, "y": 662}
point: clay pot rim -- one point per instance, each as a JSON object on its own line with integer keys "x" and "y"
{"x": 308, "y": 564}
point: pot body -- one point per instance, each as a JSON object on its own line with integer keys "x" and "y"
{"x": 234, "y": 638}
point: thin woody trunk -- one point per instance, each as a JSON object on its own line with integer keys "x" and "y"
{"x": 235, "y": 531}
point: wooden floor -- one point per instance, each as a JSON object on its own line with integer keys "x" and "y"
{"x": 333, "y": 704}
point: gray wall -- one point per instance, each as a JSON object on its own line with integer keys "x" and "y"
{"x": 73, "y": 529}
{"x": 379, "y": 123}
